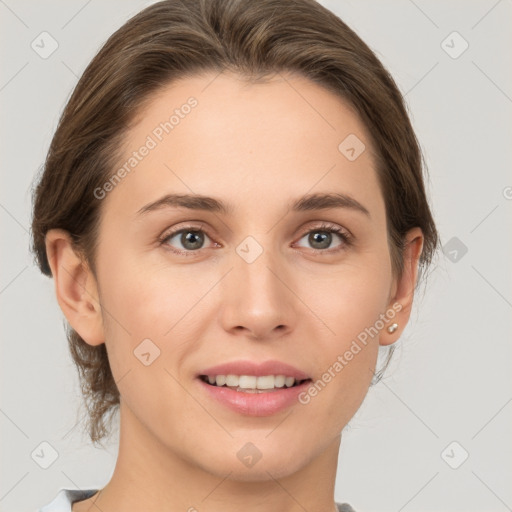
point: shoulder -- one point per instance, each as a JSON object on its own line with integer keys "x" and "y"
{"x": 344, "y": 507}
{"x": 65, "y": 498}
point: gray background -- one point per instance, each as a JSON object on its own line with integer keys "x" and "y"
{"x": 450, "y": 380}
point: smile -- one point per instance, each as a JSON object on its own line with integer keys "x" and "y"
{"x": 252, "y": 383}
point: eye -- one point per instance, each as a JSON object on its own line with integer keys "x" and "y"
{"x": 189, "y": 239}
{"x": 321, "y": 238}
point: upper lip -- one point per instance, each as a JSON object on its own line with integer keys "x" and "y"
{"x": 245, "y": 367}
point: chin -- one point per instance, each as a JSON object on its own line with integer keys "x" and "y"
{"x": 260, "y": 472}
{"x": 251, "y": 465}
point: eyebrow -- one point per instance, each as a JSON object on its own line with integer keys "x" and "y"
{"x": 317, "y": 201}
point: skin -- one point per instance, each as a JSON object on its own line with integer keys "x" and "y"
{"x": 242, "y": 143}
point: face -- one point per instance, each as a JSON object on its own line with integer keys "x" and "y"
{"x": 258, "y": 275}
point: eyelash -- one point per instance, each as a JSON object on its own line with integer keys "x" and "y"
{"x": 344, "y": 235}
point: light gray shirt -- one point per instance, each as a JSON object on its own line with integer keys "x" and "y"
{"x": 66, "y": 497}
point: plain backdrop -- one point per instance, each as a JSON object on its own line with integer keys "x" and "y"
{"x": 448, "y": 393}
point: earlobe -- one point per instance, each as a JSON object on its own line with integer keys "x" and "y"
{"x": 75, "y": 287}
{"x": 402, "y": 299}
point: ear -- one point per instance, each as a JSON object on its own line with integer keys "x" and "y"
{"x": 403, "y": 288}
{"x": 75, "y": 287}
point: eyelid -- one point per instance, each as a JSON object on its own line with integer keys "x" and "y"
{"x": 324, "y": 225}
{"x": 184, "y": 225}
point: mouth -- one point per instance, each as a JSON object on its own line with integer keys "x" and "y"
{"x": 253, "y": 388}
{"x": 253, "y": 395}
{"x": 253, "y": 383}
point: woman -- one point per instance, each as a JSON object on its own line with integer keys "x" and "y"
{"x": 234, "y": 214}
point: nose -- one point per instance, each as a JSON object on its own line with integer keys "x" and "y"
{"x": 258, "y": 300}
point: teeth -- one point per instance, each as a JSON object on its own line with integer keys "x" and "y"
{"x": 288, "y": 382}
{"x": 231, "y": 380}
{"x": 251, "y": 381}
{"x": 279, "y": 381}
{"x": 246, "y": 381}
{"x": 266, "y": 382}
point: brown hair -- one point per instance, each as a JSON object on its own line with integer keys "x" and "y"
{"x": 174, "y": 39}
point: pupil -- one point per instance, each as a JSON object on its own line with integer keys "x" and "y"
{"x": 321, "y": 237}
{"x": 192, "y": 240}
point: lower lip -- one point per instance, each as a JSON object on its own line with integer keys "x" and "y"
{"x": 255, "y": 404}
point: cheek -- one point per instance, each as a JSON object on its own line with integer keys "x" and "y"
{"x": 349, "y": 300}
{"x": 153, "y": 316}
{"x": 145, "y": 337}
{"x": 350, "y": 304}
{"x": 148, "y": 300}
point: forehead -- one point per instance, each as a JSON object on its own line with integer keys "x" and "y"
{"x": 222, "y": 136}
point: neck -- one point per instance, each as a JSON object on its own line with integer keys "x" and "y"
{"x": 150, "y": 476}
